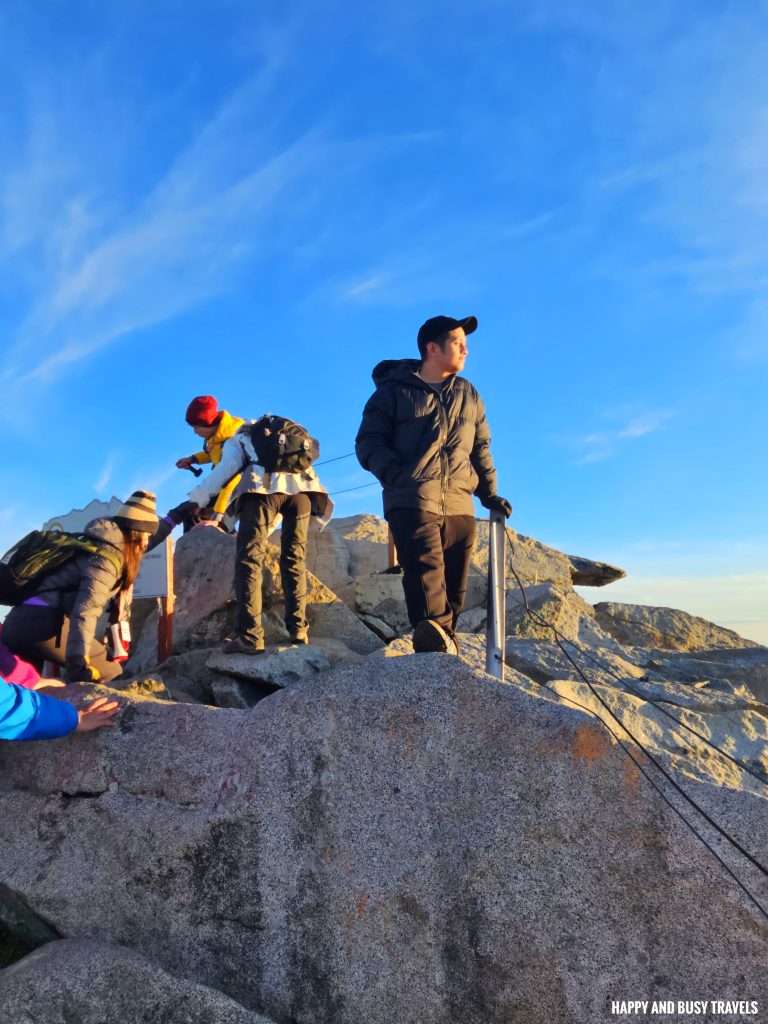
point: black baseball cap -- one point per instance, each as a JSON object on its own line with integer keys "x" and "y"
{"x": 437, "y": 326}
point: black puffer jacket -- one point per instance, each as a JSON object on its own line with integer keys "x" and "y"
{"x": 83, "y": 587}
{"x": 430, "y": 451}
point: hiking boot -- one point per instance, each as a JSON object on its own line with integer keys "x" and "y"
{"x": 242, "y": 646}
{"x": 453, "y": 647}
{"x": 429, "y": 636}
{"x": 300, "y": 637}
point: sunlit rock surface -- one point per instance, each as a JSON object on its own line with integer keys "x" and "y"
{"x": 363, "y": 835}
{"x": 400, "y": 839}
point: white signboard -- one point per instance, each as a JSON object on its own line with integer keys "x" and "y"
{"x": 152, "y": 580}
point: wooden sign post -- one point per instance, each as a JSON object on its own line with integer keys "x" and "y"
{"x": 165, "y": 608}
{"x": 155, "y": 579}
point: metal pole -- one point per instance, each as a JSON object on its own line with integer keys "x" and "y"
{"x": 494, "y": 647}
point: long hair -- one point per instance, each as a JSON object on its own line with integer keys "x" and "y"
{"x": 133, "y": 551}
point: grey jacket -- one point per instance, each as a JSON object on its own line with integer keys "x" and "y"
{"x": 83, "y": 586}
{"x": 430, "y": 451}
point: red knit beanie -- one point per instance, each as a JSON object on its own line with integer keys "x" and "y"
{"x": 203, "y": 411}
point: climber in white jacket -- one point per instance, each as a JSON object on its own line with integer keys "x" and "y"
{"x": 259, "y": 499}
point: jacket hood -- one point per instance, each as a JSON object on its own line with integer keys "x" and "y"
{"x": 106, "y": 531}
{"x": 395, "y": 369}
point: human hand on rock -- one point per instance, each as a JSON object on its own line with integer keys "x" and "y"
{"x": 98, "y": 715}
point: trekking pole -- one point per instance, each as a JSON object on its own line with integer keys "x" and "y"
{"x": 195, "y": 470}
{"x": 494, "y": 648}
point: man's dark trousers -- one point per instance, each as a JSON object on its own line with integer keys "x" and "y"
{"x": 434, "y": 552}
{"x": 257, "y": 513}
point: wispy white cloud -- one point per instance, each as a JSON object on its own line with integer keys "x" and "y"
{"x": 232, "y": 195}
{"x": 173, "y": 252}
{"x": 368, "y": 284}
{"x": 105, "y": 476}
{"x": 602, "y": 444}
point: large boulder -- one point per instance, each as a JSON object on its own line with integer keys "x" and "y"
{"x": 641, "y": 625}
{"x": 733, "y": 668}
{"x": 279, "y": 665}
{"x": 356, "y": 546}
{"x": 403, "y": 839}
{"x": 81, "y": 981}
{"x": 205, "y": 611}
{"x": 380, "y": 596}
{"x": 586, "y": 573}
{"x": 532, "y": 611}
{"x": 542, "y": 660}
{"x": 204, "y": 574}
{"x": 347, "y": 548}
{"x": 533, "y": 561}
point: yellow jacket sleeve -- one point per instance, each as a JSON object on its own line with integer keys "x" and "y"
{"x": 228, "y": 426}
{"x": 224, "y": 496}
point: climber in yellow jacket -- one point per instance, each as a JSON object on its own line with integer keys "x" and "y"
{"x": 215, "y": 426}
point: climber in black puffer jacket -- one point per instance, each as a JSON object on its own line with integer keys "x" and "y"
{"x": 425, "y": 436}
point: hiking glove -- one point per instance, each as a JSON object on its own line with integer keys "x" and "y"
{"x": 78, "y": 671}
{"x": 183, "y": 511}
{"x": 495, "y": 503}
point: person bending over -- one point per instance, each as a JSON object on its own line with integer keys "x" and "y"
{"x": 261, "y": 497}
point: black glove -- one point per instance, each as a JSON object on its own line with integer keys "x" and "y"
{"x": 495, "y": 503}
{"x": 183, "y": 511}
{"x": 79, "y": 671}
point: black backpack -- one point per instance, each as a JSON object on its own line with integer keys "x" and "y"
{"x": 38, "y": 554}
{"x": 281, "y": 445}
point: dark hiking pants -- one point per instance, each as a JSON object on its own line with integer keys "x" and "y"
{"x": 257, "y": 513}
{"x": 38, "y": 633}
{"x": 434, "y": 552}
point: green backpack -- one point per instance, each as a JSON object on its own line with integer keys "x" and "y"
{"x": 38, "y": 554}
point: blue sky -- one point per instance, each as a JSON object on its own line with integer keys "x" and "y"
{"x": 260, "y": 201}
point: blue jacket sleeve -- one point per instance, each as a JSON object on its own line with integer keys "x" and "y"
{"x": 30, "y": 715}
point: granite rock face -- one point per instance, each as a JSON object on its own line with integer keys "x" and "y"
{"x": 553, "y": 605}
{"x": 278, "y": 665}
{"x": 542, "y": 660}
{"x": 351, "y": 597}
{"x": 586, "y": 573}
{"x": 80, "y": 981}
{"x": 204, "y": 613}
{"x": 400, "y": 839}
{"x": 346, "y": 549}
{"x": 666, "y": 628}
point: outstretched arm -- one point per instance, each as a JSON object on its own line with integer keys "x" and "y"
{"x": 233, "y": 458}
{"x": 30, "y": 715}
